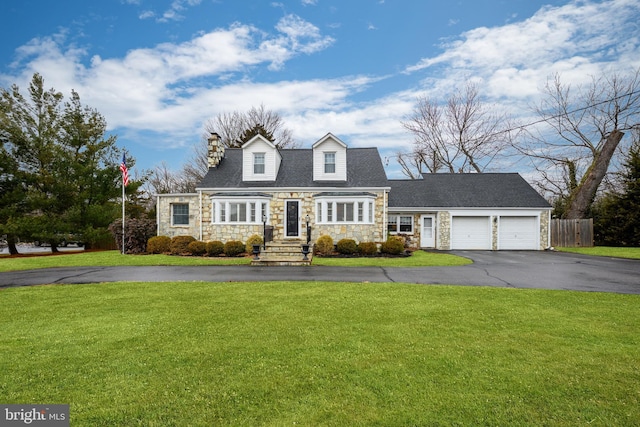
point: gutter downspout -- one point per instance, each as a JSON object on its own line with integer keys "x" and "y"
{"x": 384, "y": 217}
{"x": 200, "y": 211}
{"x": 548, "y": 229}
{"x": 158, "y": 214}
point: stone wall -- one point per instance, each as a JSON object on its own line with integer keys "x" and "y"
{"x": 165, "y": 228}
{"x": 443, "y": 236}
{"x": 358, "y": 232}
{"x": 545, "y": 223}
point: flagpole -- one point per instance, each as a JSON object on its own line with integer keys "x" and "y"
{"x": 123, "y": 196}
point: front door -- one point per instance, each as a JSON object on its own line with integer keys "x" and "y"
{"x": 292, "y": 223}
{"x": 427, "y": 231}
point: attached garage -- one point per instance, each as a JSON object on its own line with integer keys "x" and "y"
{"x": 471, "y": 232}
{"x": 518, "y": 233}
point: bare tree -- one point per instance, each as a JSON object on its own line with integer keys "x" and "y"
{"x": 231, "y": 127}
{"x": 584, "y": 128}
{"x": 163, "y": 180}
{"x": 464, "y": 135}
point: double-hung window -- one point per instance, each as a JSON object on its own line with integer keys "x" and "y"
{"x": 355, "y": 210}
{"x": 329, "y": 162}
{"x": 258, "y": 163}
{"x": 180, "y": 214}
{"x": 400, "y": 224}
{"x": 239, "y": 211}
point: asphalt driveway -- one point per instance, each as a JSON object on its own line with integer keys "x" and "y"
{"x": 517, "y": 269}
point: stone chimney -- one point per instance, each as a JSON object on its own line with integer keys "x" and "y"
{"x": 215, "y": 152}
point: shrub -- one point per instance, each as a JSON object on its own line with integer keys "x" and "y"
{"x": 253, "y": 240}
{"x": 215, "y": 248}
{"x": 137, "y": 232}
{"x": 233, "y": 248}
{"x": 197, "y": 248}
{"x": 324, "y": 245}
{"x": 179, "y": 244}
{"x": 347, "y": 246}
{"x": 392, "y": 246}
{"x": 368, "y": 248}
{"x": 159, "y": 244}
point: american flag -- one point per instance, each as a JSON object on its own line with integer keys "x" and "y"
{"x": 125, "y": 171}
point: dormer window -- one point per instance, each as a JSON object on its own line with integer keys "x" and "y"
{"x": 258, "y": 163}
{"x": 330, "y": 162}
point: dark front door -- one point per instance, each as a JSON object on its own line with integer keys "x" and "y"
{"x": 292, "y": 224}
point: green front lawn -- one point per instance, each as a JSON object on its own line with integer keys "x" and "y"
{"x": 617, "y": 252}
{"x": 115, "y": 258}
{"x": 314, "y": 353}
{"x": 417, "y": 259}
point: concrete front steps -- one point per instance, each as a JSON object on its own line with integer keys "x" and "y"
{"x": 283, "y": 253}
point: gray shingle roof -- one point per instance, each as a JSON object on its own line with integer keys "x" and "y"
{"x": 454, "y": 190}
{"x": 364, "y": 169}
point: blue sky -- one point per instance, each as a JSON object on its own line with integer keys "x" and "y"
{"x": 158, "y": 70}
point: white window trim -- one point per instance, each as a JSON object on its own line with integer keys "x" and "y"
{"x": 398, "y": 222}
{"x": 218, "y": 203}
{"x": 327, "y": 204}
{"x": 335, "y": 161}
{"x": 173, "y": 205}
{"x": 263, "y": 164}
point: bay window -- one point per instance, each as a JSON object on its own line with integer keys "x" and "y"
{"x": 238, "y": 211}
{"x": 345, "y": 209}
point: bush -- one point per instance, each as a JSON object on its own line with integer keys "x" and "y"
{"x": 159, "y": 244}
{"x": 137, "y": 232}
{"x": 197, "y": 248}
{"x": 324, "y": 245}
{"x": 215, "y": 248}
{"x": 233, "y": 248}
{"x": 347, "y": 246}
{"x": 253, "y": 240}
{"x": 179, "y": 244}
{"x": 392, "y": 246}
{"x": 368, "y": 248}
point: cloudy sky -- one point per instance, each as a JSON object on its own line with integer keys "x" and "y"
{"x": 158, "y": 70}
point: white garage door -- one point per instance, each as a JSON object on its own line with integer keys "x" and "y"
{"x": 470, "y": 232}
{"x": 518, "y": 232}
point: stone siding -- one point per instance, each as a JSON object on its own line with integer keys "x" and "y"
{"x": 358, "y": 232}
{"x": 443, "y": 236}
{"x": 545, "y": 223}
{"x": 165, "y": 228}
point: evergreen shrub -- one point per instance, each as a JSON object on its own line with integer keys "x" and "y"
{"x": 159, "y": 245}
{"x": 233, "y": 248}
{"x": 324, "y": 245}
{"x": 179, "y": 244}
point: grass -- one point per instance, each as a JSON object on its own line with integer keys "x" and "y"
{"x": 109, "y": 258}
{"x": 616, "y": 252}
{"x": 417, "y": 259}
{"x": 114, "y": 258}
{"x": 314, "y": 353}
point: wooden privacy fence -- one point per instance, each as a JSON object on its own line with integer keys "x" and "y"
{"x": 572, "y": 233}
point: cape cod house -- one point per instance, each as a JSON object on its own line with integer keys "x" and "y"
{"x": 344, "y": 192}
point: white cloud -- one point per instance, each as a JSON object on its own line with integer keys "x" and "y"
{"x": 578, "y": 39}
{"x": 169, "y": 90}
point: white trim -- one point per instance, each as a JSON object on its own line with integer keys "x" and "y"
{"x": 286, "y": 219}
{"x": 434, "y": 228}
{"x": 218, "y": 202}
{"x": 200, "y": 213}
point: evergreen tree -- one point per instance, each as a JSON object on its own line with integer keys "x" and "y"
{"x": 63, "y": 176}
